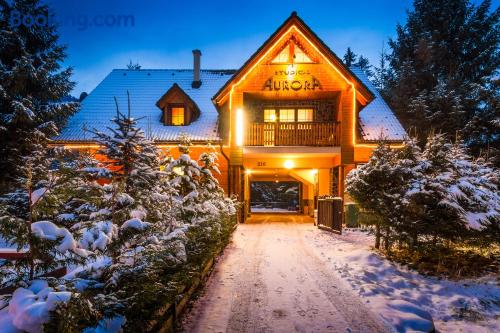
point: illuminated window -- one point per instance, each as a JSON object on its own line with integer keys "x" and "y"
{"x": 269, "y": 115}
{"x": 299, "y": 56}
{"x": 304, "y": 115}
{"x": 283, "y": 56}
{"x": 287, "y": 115}
{"x": 177, "y": 116}
{"x": 291, "y": 53}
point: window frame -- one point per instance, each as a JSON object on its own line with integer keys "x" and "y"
{"x": 277, "y": 112}
{"x": 264, "y": 115}
{"x": 305, "y": 121}
{"x": 170, "y": 108}
{"x": 288, "y": 113}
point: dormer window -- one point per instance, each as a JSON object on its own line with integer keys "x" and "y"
{"x": 177, "y": 115}
{"x": 178, "y": 109}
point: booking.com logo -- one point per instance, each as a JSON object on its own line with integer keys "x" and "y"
{"x": 81, "y": 22}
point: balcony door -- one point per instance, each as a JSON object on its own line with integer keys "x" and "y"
{"x": 283, "y": 126}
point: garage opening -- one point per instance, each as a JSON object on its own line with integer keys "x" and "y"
{"x": 275, "y": 197}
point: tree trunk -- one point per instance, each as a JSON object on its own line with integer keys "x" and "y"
{"x": 377, "y": 236}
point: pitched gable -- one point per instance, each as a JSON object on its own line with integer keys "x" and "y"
{"x": 292, "y": 32}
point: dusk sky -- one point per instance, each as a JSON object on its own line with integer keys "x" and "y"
{"x": 163, "y": 33}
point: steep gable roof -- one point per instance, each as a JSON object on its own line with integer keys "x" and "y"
{"x": 295, "y": 20}
{"x": 146, "y": 86}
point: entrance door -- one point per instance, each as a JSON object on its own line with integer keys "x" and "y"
{"x": 275, "y": 196}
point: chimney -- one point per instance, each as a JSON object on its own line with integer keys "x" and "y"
{"x": 196, "y": 69}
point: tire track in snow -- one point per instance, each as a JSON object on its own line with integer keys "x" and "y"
{"x": 269, "y": 281}
{"x": 359, "y": 318}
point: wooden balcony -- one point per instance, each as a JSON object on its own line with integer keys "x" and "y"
{"x": 319, "y": 134}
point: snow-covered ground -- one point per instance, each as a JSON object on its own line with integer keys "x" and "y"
{"x": 287, "y": 277}
{"x": 398, "y": 293}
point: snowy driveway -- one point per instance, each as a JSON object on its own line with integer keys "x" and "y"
{"x": 269, "y": 279}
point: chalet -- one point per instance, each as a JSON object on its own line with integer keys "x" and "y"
{"x": 292, "y": 112}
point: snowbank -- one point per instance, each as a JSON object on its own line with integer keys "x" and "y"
{"x": 29, "y": 308}
{"x": 404, "y": 298}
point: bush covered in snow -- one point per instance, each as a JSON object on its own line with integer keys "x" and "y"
{"x": 435, "y": 197}
{"x": 131, "y": 244}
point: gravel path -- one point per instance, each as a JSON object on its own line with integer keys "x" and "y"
{"x": 270, "y": 280}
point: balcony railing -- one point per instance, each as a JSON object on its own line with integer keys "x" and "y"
{"x": 293, "y": 134}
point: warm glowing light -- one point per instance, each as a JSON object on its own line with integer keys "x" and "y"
{"x": 258, "y": 62}
{"x": 289, "y": 164}
{"x": 291, "y": 70}
{"x": 248, "y": 171}
{"x": 314, "y": 171}
{"x": 239, "y": 127}
{"x": 276, "y": 181}
{"x": 272, "y": 117}
{"x": 178, "y": 170}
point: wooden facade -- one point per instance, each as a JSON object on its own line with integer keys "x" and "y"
{"x": 290, "y": 112}
{"x": 325, "y": 144}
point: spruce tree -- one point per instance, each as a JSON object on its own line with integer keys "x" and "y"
{"x": 31, "y": 219}
{"x": 443, "y": 62}
{"x": 437, "y": 211}
{"x": 138, "y": 197}
{"x": 376, "y": 187}
{"x": 186, "y": 173}
{"x": 382, "y": 74}
{"x": 365, "y": 66}
{"x": 350, "y": 57}
{"x": 32, "y": 84}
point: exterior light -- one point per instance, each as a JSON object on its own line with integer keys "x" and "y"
{"x": 291, "y": 70}
{"x": 276, "y": 181}
{"x": 289, "y": 164}
{"x": 272, "y": 117}
{"x": 239, "y": 127}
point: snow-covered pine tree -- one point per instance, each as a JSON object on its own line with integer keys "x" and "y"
{"x": 476, "y": 188}
{"x": 442, "y": 58}
{"x": 407, "y": 169}
{"x": 376, "y": 187}
{"x": 186, "y": 173}
{"x": 135, "y": 163}
{"x": 30, "y": 217}
{"x": 436, "y": 209}
{"x": 32, "y": 84}
{"x": 209, "y": 185}
{"x": 138, "y": 192}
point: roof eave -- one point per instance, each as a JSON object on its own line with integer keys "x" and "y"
{"x": 367, "y": 94}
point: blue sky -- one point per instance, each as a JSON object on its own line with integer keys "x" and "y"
{"x": 227, "y": 32}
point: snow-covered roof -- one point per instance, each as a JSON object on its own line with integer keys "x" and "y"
{"x": 146, "y": 86}
{"x": 377, "y": 118}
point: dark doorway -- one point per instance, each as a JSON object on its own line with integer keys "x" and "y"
{"x": 279, "y": 197}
